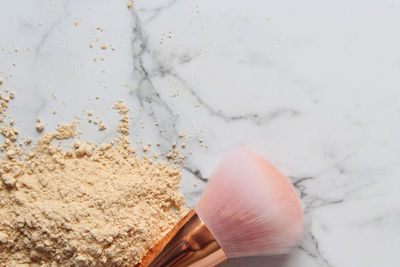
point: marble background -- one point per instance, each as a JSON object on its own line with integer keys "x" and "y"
{"x": 312, "y": 85}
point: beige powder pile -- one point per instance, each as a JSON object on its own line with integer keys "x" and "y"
{"x": 84, "y": 206}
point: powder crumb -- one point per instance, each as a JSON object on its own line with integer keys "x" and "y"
{"x": 182, "y": 135}
{"x": 102, "y": 127}
{"x": 183, "y": 145}
{"x": 3, "y": 238}
{"x": 65, "y": 131}
{"x": 28, "y": 141}
{"x": 129, "y": 4}
{"x": 90, "y": 113}
{"x": 103, "y": 46}
{"x": 76, "y": 23}
{"x": 91, "y": 45}
{"x": 54, "y": 112}
{"x": 39, "y": 127}
{"x": 11, "y": 153}
{"x": 10, "y": 133}
{"x": 8, "y": 179}
{"x": 1, "y": 81}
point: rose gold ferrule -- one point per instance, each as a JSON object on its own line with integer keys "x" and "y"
{"x": 189, "y": 243}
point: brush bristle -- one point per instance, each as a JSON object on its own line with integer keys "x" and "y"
{"x": 250, "y": 207}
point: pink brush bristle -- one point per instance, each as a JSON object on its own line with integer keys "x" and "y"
{"x": 250, "y": 207}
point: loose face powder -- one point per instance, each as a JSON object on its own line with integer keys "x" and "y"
{"x": 85, "y": 205}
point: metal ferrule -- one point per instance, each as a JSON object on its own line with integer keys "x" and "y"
{"x": 189, "y": 243}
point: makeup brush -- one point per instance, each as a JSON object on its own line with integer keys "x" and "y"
{"x": 248, "y": 208}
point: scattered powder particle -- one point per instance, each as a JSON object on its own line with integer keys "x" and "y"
{"x": 145, "y": 148}
{"x": 102, "y": 127}
{"x": 90, "y": 45}
{"x": 1, "y": 81}
{"x": 174, "y": 145}
{"x": 182, "y": 135}
{"x": 28, "y": 141}
{"x": 76, "y": 23}
{"x": 129, "y": 4}
{"x": 84, "y": 205}
{"x": 90, "y": 113}
{"x": 39, "y": 127}
{"x": 201, "y": 140}
{"x": 37, "y": 119}
{"x": 102, "y": 58}
{"x": 54, "y": 112}
{"x": 103, "y": 46}
{"x": 183, "y": 145}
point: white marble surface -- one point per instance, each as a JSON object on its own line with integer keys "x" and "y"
{"x": 312, "y": 85}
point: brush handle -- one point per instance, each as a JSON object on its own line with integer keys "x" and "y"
{"x": 189, "y": 243}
